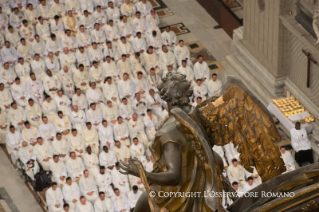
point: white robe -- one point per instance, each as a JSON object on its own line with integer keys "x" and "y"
{"x": 156, "y": 42}
{"x": 58, "y": 170}
{"x": 50, "y": 83}
{"x": 139, "y": 44}
{"x": 26, "y": 154}
{"x": 107, "y": 159}
{"x": 5, "y": 123}
{"x": 121, "y": 131}
{"x": 132, "y": 198}
{"x": 71, "y": 192}
{"x": 200, "y": 91}
{"x": 95, "y": 117}
{"x": 136, "y": 129}
{"x": 54, "y": 65}
{"x": 112, "y": 53}
{"x": 54, "y": 197}
{"x": 34, "y": 114}
{"x": 76, "y": 142}
{"x": 23, "y": 72}
{"x": 121, "y": 202}
{"x": 47, "y": 131}
{"x": 88, "y": 207}
{"x": 5, "y": 99}
{"x": 220, "y": 151}
{"x": 110, "y": 114}
{"x": 38, "y": 48}
{"x": 214, "y": 87}
{"x": 124, "y": 67}
{"x": 248, "y": 187}
{"x": 96, "y": 74}
{"x": 236, "y": 174}
{"x": 126, "y": 111}
{"x": 201, "y": 70}
{"x": 182, "y": 53}
{"x": 150, "y": 126}
{"x": 75, "y": 168}
{"x": 87, "y": 5}
{"x": 82, "y": 58}
{"x": 80, "y": 77}
{"x": 91, "y": 138}
{"x": 288, "y": 160}
{"x": 30, "y": 135}
{"x": 44, "y": 151}
{"x": 63, "y": 104}
{"x": 91, "y": 163}
{"x": 106, "y": 135}
{"x": 49, "y": 110}
{"x": 299, "y": 139}
{"x": 104, "y": 181}
{"x": 122, "y": 152}
{"x": 156, "y": 109}
{"x": 142, "y": 85}
{"x": 105, "y": 205}
{"x": 87, "y": 185}
{"x": 13, "y": 140}
{"x": 78, "y": 120}
{"x": 113, "y": 14}
{"x": 80, "y": 101}
{"x": 61, "y": 147}
{"x": 16, "y": 116}
{"x": 126, "y": 88}
{"x": 169, "y": 39}
{"x": 120, "y": 181}
{"x": 165, "y": 59}
{"x": 7, "y": 75}
{"x": 39, "y": 68}
{"x": 110, "y": 91}
{"x": 19, "y": 91}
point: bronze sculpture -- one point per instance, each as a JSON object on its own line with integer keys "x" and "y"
{"x": 185, "y": 162}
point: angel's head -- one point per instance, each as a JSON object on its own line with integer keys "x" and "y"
{"x": 175, "y": 89}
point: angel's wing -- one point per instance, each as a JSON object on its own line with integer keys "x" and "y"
{"x": 239, "y": 117}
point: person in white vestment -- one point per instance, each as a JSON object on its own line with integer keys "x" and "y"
{"x": 22, "y": 70}
{"x": 78, "y": 119}
{"x": 88, "y": 187}
{"x": 197, "y": 102}
{"x": 99, "y": 14}
{"x": 73, "y": 7}
{"x": 30, "y": 134}
{"x": 150, "y": 164}
{"x": 154, "y": 102}
{"x": 107, "y": 159}
{"x": 76, "y": 143}
{"x": 110, "y": 91}
{"x": 110, "y": 70}
{"x": 28, "y": 157}
{"x": 133, "y": 196}
{"x": 231, "y": 152}
{"x": 166, "y": 61}
{"x": 200, "y": 90}
{"x": 71, "y": 22}
{"x": 4, "y": 126}
{"x": 44, "y": 153}
{"x": 75, "y": 167}
{"x": 84, "y": 206}
{"x": 95, "y": 53}
{"x": 12, "y": 35}
{"x": 54, "y": 198}
{"x": 236, "y": 172}
{"x": 60, "y": 147}
{"x": 201, "y": 70}
{"x": 136, "y": 127}
{"x": 13, "y": 143}
{"x": 43, "y": 29}
{"x": 113, "y": 13}
{"x": 17, "y": 116}
{"x": 91, "y": 138}
{"x": 7, "y": 75}
{"x": 124, "y": 66}
{"x": 79, "y": 100}
{"x": 112, "y": 35}
{"x": 56, "y": 26}
{"x": 169, "y": 38}
{"x": 47, "y": 130}
{"x": 82, "y": 57}
{"x": 91, "y": 161}
{"x": 57, "y": 8}
{"x": 94, "y": 115}
{"x": 5, "y": 98}
{"x": 154, "y": 79}
{"x": 112, "y": 52}
{"x": 137, "y": 151}
{"x": 49, "y": 108}
{"x": 125, "y": 110}
{"x": 254, "y": 175}
{"x": 125, "y": 47}
{"x": 145, "y": 7}
{"x": 9, "y": 54}
{"x": 126, "y": 87}
{"x": 121, "y": 151}
{"x": 149, "y": 121}
{"x": 213, "y": 86}
{"x": 120, "y": 201}
{"x": 81, "y": 78}
{"x": 38, "y": 66}
{"x": 121, "y": 132}
{"x": 51, "y": 84}
{"x": 220, "y": 151}
{"x": 63, "y": 103}
{"x": 139, "y": 43}
{"x": 33, "y": 113}
{"x": 238, "y": 189}
{"x": 151, "y": 60}
{"x": 152, "y": 21}
{"x": 95, "y": 95}
{"x": 181, "y": 52}
{"x": 58, "y": 170}
{"x": 52, "y": 63}
{"x": 43, "y": 10}
{"x": 67, "y": 58}
{"x": 106, "y": 135}
{"x": 103, "y": 203}
{"x": 66, "y": 79}
{"x": 26, "y": 32}
{"x": 103, "y": 181}
{"x": 188, "y": 71}
{"x": 143, "y": 87}
{"x": 19, "y": 93}
{"x": 301, "y": 144}
{"x": 83, "y": 38}
{"x": 67, "y": 208}
{"x": 53, "y": 45}
{"x": 71, "y": 193}
{"x": 35, "y": 89}
{"x": 155, "y": 41}
{"x": 38, "y": 47}
{"x": 110, "y": 113}
{"x": 249, "y": 185}
{"x": 287, "y": 158}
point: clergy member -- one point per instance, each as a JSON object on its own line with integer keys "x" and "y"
{"x": 91, "y": 161}
{"x": 75, "y": 167}
{"x": 84, "y": 206}
{"x": 91, "y": 137}
{"x": 103, "y": 181}
{"x": 121, "y": 132}
{"x": 214, "y": 86}
{"x": 107, "y": 159}
{"x": 47, "y": 130}
{"x": 33, "y": 113}
{"x": 28, "y": 157}
{"x": 44, "y": 153}
{"x": 235, "y": 172}
{"x": 54, "y": 197}
{"x": 287, "y": 158}
{"x": 58, "y": 170}
{"x": 71, "y": 193}
{"x": 136, "y": 128}
{"x": 120, "y": 201}
{"x": 121, "y": 151}
{"x": 78, "y": 119}
{"x": 13, "y": 143}
{"x": 60, "y": 147}
{"x": 76, "y": 143}
{"x": 88, "y": 187}
{"x": 103, "y": 203}
{"x": 133, "y": 196}
{"x": 106, "y": 135}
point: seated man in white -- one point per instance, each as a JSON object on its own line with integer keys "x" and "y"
{"x": 166, "y": 59}
{"x": 169, "y": 38}
{"x": 235, "y": 172}
{"x": 76, "y": 143}
{"x": 91, "y": 161}
{"x": 49, "y": 109}
{"x": 200, "y": 89}
{"x": 5, "y": 98}
{"x": 150, "y": 164}
{"x": 188, "y": 71}
{"x": 120, "y": 201}
{"x": 54, "y": 198}
{"x": 142, "y": 84}
{"x": 149, "y": 121}
{"x": 94, "y": 115}
{"x": 71, "y": 193}
{"x": 60, "y": 147}
{"x": 28, "y": 157}
{"x": 94, "y": 95}
{"x": 107, "y": 159}
{"x": 249, "y": 185}
{"x": 67, "y": 208}
{"x": 51, "y": 84}
{"x": 103, "y": 203}
{"x": 137, "y": 151}
{"x": 181, "y": 52}
{"x": 110, "y": 90}
{"x": 201, "y": 70}
{"x": 111, "y": 113}
{"x": 75, "y": 167}
{"x": 33, "y": 113}
{"x": 220, "y": 151}
{"x": 58, "y": 171}
{"x": 44, "y": 153}
{"x": 96, "y": 74}
{"x": 13, "y": 143}
{"x": 88, "y": 187}
{"x": 106, "y": 135}
{"x": 47, "y": 130}
{"x": 63, "y": 103}
{"x": 231, "y": 152}
{"x": 17, "y": 116}
{"x": 30, "y": 134}
{"x": 126, "y": 87}
{"x": 137, "y": 129}
{"x": 79, "y": 100}
{"x": 84, "y": 206}
{"x": 103, "y": 181}
{"x": 214, "y": 86}
{"x": 78, "y": 119}
{"x": 121, "y": 151}
{"x": 287, "y": 158}
{"x": 19, "y": 93}
{"x": 91, "y": 138}
{"x": 133, "y": 196}
{"x": 81, "y": 78}
{"x": 121, "y": 132}
{"x": 62, "y": 124}
{"x": 126, "y": 110}
{"x": 254, "y": 175}
{"x": 155, "y": 102}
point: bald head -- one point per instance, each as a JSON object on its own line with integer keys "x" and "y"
{"x": 75, "y": 108}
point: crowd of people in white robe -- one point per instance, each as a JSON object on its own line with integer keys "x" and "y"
{"x": 78, "y": 93}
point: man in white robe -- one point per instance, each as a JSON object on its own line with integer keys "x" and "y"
{"x": 236, "y": 172}
{"x": 38, "y": 47}
{"x": 19, "y": 93}
{"x": 166, "y": 58}
{"x": 96, "y": 74}
{"x": 94, "y": 95}
{"x": 154, "y": 80}
{"x": 139, "y": 25}
{"x": 125, "y": 110}
{"x": 75, "y": 167}
{"x": 43, "y": 10}
{"x": 155, "y": 41}
{"x": 151, "y": 60}
{"x": 13, "y": 143}
{"x": 63, "y": 103}
{"x": 44, "y": 154}
{"x": 81, "y": 78}
{"x": 112, "y": 33}
{"x": 7, "y": 75}
{"x": 145, "y": 7}
{"x": 188, "y": 71}
{"x": 49, "y": 109}
{"x": 84, "y": 205}
{"x": 287, "y": 158}
{"x": 103, "y": 181}
{"x": 120, "y": 201}
{"x": 98, "y": 35}
{"x": 126, "y": 87}
{"x": 57, "y": 8}
{"x": 22, "y": 70}
{"x": 113, "y": 13}
{"x": 47, "y": 130}
{"x": 70, "y": 21}
{"x": 107, "y": 159}
{"x": 200, "y": 90}
{"x": 201, "y": 70}
{"x": 71, "y": 193}
{"x": 133, "y": 196}
{"x": 249, "y": 185}
{"x": 110, "y": 113}
{"x": 137, "y": 151}
{"x": 99, "y": 14}
{"x": 56, "y": 26}
{"x": 4, "y": 126}
{"x": 128, "y": 9}
{"x": 33, "y": 113}
{"x": 79, "y": 100}
{"x": 91, "y": 161}
{"x": 149, "y": 167}
{"x": 30, "y": 134}
{"x": 66, "y": 79}
{"x": 124, "y": 66}
{"x": 87, "y": 5}
{"x": 38, "y": 66}
{"x": 181, "y": 52}
{"x": 136, "y": 127}
{"x": 68, "y": 41}
{"x": 67, "y": 58}
{"x": 103, "y": 203}
{"x": 96, "y": 54}
{"x": 150, "y": 121}
{"x": 58, "y": 171}
{"x": 51, "y": 84}
{"x": 16, "y": 18}
{"x": 152, "y": 21}
{"x": 254, "y": 175}
{"x": 12, "y": 36}
{"x": 52, "y": 63}
{"x": 73, "y": 7}
{"x": 27, "y": 31}
{"x": 94, "y": 115}
{"x": 60, "y": 147}
{"x": 137, "y": 64}
{"x": 78, "y": 119}
{"x": 83, "y": 38}
{"x": 43, "y": 29}
{"x": 121, "y": 132}
{"x": 110, "y": 70}
{"x": 155, "y": 102}
{"x": 112, "y": 52}
{"x": 28, "y": 157}
{"x": 143, "y": 86}
{"x": 17, "y": 116}
{"x": 54, "y": 198}
{"x": 120, "y": 180}
{"x": 121, "y": 151}
{"x": 214, "y": 86}
{"x": 169, "y": 38}
{"x": 82, "y": 57}
{"x": 5, "y": 98}
{"x": 88, "y": 187}
{"x": 91, "y": 138}
{"x": 139, "y": 43}
{"x": 106, "y": 135}
{"x": 126, "y": 29}
{"x": 110, "y": 91}
{"x": 139, "y": 105}
{"x": 125, "y": 47}
{"x": 76, "y": 143}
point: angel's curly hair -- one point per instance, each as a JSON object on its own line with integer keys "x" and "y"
{"x": 175, "y": 88}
